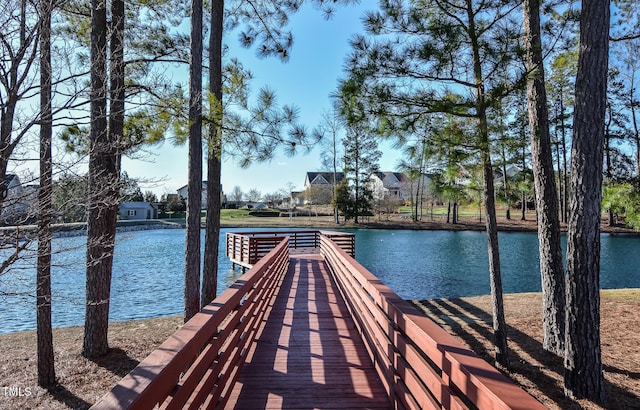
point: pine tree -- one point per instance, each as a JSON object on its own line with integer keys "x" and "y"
{"x": 551, "y": 264}
{"x": 443, "y": 56}
{"x": 194, "y": 189}
{"x": 46, "y": 366}
{"x": 257, "y": 137}
{"x": 583, "y": 358}
{"x": 214, "y": 154}
{"x": 102, "y": 186}
{"x": 361, "y": 156}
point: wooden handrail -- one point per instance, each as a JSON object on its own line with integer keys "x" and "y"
{"x": 246, "y": 248}
{"x": 420, "y": 364}
{"x": 199, "y": 364}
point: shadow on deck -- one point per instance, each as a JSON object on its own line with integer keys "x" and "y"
{"x": 311, "y": 330}
{"x": 309, "y": 354}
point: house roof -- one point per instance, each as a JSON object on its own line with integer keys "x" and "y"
{"x": 8, "y": 179}
{"x": 391, "y": 179}
{"x": 323, "y": 178}
{"x": 6, "y": 183}
{"x": 204, "y": 185}
{"x": 136, "y": 205}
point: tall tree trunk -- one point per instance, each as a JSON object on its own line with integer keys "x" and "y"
{"x": 117, "y": 80}
{"x": 336, "y": 212}
{"x": 194, "y": 189}
{"x": 505, "y": 177}
{"x": 104, "y": 174}
{"x": 214, "y": 191}
{"x": 634, "y": 120}
{"x": 9, "y": 104}
{"x": 357, "y": 180}
{"x": 523, "y": 193}
{"x": 583, "y": 360}
{"x": 495, "y": 276}
{"x": 563, "y": 133}
{"x": 448, "y": 211}
{"x": 607, "y": 157}
{"x": 559, "y": 166}
{"x": 505, "y": 181}
{"x": 46, "y": 367}
{"x": 455, "y": 212}
{"x": 551, "y": 267}
{"x": 103, "y": 195}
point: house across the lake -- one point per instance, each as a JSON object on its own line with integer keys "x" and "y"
{"x": 384, "y": 185}
{"x": 184, "y": 193}
{"x": 18, "y": 201}
{"x": 322, "y": 179}
{"x": 138, "y": 210}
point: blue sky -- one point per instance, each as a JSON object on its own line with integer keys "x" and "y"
{"x": 306, "y": 81}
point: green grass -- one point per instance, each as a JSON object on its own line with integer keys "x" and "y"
{"x": 230, "y": 214}
{"x": 621, "y": 294}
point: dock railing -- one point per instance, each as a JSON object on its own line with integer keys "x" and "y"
{"x": 198, "y": 365}
{"x": 247, "y": 248}
{"x": 420, "y": 364}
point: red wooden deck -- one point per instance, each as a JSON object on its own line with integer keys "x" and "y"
{"x": 309, "y": 354}
{"x": 285, "y": 335}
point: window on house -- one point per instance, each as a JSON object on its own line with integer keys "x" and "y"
{"x": 131, "y": 212}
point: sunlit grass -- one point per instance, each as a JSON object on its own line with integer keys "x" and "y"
{"x": 230, "y": 214}
{"x": 621, "y": 294}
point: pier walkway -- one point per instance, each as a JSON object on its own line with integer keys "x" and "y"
{"x": 308, "y": 327}
{"x": 310, "y": 354}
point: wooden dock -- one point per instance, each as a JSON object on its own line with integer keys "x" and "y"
{"x": 309, "y": 354}
{"x": 309, "y": 327}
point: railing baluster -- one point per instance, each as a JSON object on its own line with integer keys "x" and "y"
{"x": 420, "y": 365}
{"x": 209, "y": 336}
{"x": 389, "y": 323}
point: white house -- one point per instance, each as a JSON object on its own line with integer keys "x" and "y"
{"x": 322, "y": 179}
{"x": 318, "y": 186}
{"x": 138, "y": 210}
{"x": 389, "y": 185}
{"x": 183, "y": 192}
{"x": 16, "y": 199}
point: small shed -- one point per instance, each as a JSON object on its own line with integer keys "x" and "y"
{"x": 138, "y": 210}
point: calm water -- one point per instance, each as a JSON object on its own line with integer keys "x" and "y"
{"x": 148, "y": 271}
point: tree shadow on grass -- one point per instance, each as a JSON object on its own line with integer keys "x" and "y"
{"x": 472, "y": 324}
{"x": 65, "y": 396}
{"x": 117, "y": 361}
{"x": 617, "y": 397}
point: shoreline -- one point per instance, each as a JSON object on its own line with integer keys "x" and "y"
{"x": 319, "y": 222}
{"x": 65, "y": 230}
{"x": 609, "y": 292}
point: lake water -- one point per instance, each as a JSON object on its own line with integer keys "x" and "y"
{"x": 149, "y": 266}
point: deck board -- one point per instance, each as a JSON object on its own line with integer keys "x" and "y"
{"x": 309, "y": 354}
